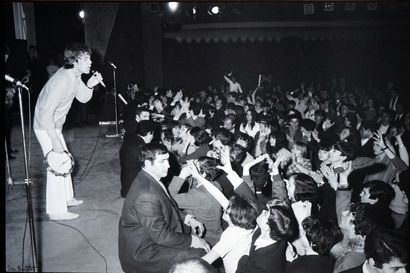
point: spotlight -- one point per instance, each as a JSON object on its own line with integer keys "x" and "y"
{"x": 173, "y": 6}
{"x": 81, "y": 14}
{"x": 214, "y": 10}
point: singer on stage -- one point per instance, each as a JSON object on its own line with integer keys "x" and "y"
{"x": 51, "y": 110}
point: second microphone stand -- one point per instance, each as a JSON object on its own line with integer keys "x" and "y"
{"x": 117, "y": 134}
{"x": 28, "y": 183}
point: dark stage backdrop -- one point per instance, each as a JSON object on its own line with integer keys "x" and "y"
{"x": 289, "y": 61}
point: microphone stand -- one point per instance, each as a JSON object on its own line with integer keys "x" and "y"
{"x": 117, "y": 134}
{"x": 28, "y": 182}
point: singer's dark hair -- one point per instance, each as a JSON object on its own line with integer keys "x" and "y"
{"x": 73, "y": 52}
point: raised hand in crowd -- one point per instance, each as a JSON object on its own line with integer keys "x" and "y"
{"x": 249, "y": 165}
{"x": 327, "y": 124}
{"x": 343, "y": 182}
{"x": 225, "y": 161}
{"x": 330, "y": 175}
{"x": 214, "y": 191}
{"x": 315, "y": 135}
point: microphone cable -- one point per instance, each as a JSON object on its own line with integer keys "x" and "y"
{"x": 84, "y": 237}
{"x": 84, "y": 173}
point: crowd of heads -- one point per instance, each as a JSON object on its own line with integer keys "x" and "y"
{"x": 317, "y": 133}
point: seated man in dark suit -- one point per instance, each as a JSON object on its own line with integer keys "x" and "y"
{"x": 152, "y": 235}
{"x": 385, "y": 253}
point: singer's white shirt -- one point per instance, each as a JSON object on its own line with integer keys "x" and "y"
{"x": 56, "y": 97}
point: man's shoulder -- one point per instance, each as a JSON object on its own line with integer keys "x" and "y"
{"x": 358, "y": 269}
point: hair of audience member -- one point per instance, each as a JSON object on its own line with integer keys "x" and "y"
{"x": 383, "y": 246}
{"x": 266, "y": 120}
{"x": 195, "y": 107}
{"x": 302, "y": 147}
{"x": 208, "y": 165}
{"x": 258, "y": 101}
{"x": 73, "y": 52}
{"x": 281, "y": 142}
{"x": 230, "y": 106}
{"x": 237, "y": 154}
{"x": 369, "y": 125}
{"x": 296, "y": 115}
{"x": 234, "y": 95}
{"x": 352, "y": 118}
{"x": 200, "y": 135}
{"x": 247, "y": 139}
{"x": 182, "y": 125}
{"x": 223, "y": 135}
{"x": 305, "y": 188}
{"x": 144, "y": 127}
{"x": 242, "y": 211}
{"x": 191, "y": 265}
{"x": 346, "y": 149}
{"x": 308, "y": 124}
{"x": 231, "y": 117}
{"x": 383, "y": 192}
{"x": 168, "y": 135}
{"x": 151, "y": 151}
{"x": 322, "y": 234}
{"x": 364, "y": 218}
{"x": 140, "y": 110}
{"x": 321, "y": 113}
{"x": 253, "y": 114}
{"x": 389, "y": 112}
{"x": 169, "y": 124}
{"x": 282, "y": 223}
{"x": 325, "y": 146}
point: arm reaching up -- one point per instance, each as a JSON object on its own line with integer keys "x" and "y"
{"x": 214, "y": 191}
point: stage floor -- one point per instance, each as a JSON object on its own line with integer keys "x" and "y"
{"x": 86, "y": 244}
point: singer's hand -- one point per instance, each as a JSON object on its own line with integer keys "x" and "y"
{"x": 95, "y": 79}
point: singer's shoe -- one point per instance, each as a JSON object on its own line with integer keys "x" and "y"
{"x": 63, "y": 216}
{"x": 74, "y": 202}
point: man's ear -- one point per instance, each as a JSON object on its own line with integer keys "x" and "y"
{"x": 147, "y": 163}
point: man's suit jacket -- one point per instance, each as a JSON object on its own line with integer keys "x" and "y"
{"x": 358, "y": 269}
{"x": 152, "y": 235}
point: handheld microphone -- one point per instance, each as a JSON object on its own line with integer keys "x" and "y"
{"x": 100, "y": 81}
{"x": 15, "y": 82}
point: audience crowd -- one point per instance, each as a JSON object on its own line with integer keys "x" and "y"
{"x": 312, "y": 179}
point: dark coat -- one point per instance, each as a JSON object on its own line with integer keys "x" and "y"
{"x": 311, "y": 263}
{"x": 366, "y": 150}
{"x": 152, "y": 235}
{"x": 130, "y": 165}
{"x": 268, "y": 259}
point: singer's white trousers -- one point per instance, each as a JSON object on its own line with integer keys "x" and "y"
{"x": 59, "y": 189}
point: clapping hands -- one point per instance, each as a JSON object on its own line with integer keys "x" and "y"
{"x": 225, "y": 161}
{"x": 330, "y": 175}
